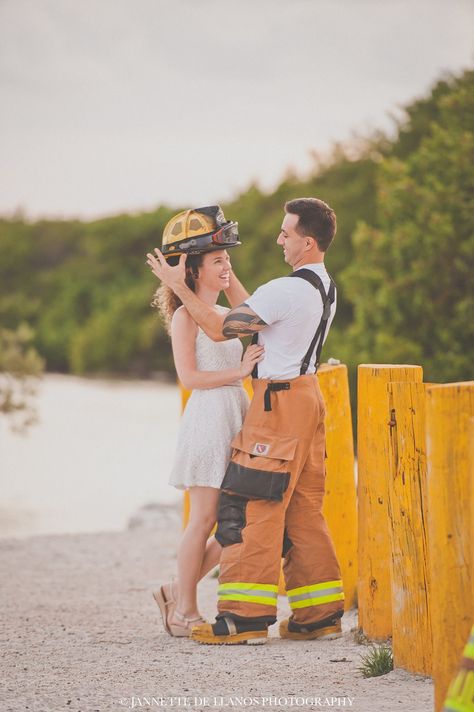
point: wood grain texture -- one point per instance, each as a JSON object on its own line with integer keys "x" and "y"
{"x": 340, "y": 502}
{"x": 461, "y": 689}
{"x": 374, "y": 586}
{"x": 449, "y": 408}
{"x": 407, "y": 504}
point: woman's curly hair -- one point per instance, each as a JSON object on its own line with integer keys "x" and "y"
{"x": 166, "y": 301}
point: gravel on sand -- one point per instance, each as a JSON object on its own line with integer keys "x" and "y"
{"x": 80, "y": 631}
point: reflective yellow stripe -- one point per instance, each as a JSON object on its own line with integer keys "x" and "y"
{"x": 249, "y": 586}
{"x": 314, "y": 587}
{"x": 264, "y": 593}
{"x": 248, "y": 599}
{"x": 316, "y": 594}
{"x": 306, "y": 602}
{"x": 469, "y": 651}
{"x": 461, "y": 693}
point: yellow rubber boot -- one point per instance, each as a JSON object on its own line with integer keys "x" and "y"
{"x": 205, "y": 634}
{"x": 328, "y": 632}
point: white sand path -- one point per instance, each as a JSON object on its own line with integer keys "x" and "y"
{"x": 80, "y": 631}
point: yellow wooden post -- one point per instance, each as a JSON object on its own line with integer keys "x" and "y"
{"x": 460, "y": 697}
{"x": 448, "y": 410}
{"x": 185, "y": 393}
{"x": 412, "y": 643}
{"x": 374, "y": 589}
{"x": 471, "y": 484}
{"x": 340, "y": 505}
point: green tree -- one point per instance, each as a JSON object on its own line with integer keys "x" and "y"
{"x": 123, "y": 337}
{"x": 401, "y": 258}
{"x": 411, "y": 278}
{"x": 20, "y": 368}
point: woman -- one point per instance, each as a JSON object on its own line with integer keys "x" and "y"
{"x": 213, "y": 416}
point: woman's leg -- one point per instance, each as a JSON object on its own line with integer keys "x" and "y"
{"x": 195, "y": 554}
{"x": 212, "y": 556}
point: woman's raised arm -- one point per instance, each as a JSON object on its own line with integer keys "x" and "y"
{"x": 236, "y": 293}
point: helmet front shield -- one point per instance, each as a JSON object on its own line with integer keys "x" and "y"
{"x": 199, "y": 230}
{"x": 227, "y": 236}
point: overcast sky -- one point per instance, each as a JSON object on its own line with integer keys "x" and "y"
{"x": 120, "y": 105}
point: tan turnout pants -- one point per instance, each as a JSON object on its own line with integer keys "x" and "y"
{"x": 271, "y": 506}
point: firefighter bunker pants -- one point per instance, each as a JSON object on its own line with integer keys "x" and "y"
{"x": 271, "y": 506}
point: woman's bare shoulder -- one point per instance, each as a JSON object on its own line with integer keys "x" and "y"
{"x": 182, "y": 318}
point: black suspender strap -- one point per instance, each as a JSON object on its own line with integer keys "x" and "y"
{"x": 255, "y": 368}
{"x": 328, "y": 299}
{"x": 318, "y": 338}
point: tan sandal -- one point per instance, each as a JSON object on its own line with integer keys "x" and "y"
{"x": 184, "y": 631}
{"x": 167, "y": 603}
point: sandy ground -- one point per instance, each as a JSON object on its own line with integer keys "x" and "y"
{"x": 80, "y": 631}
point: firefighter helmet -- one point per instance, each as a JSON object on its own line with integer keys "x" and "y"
{"x": 199, "y": 230}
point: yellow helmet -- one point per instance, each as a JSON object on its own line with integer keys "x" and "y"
{"x": 199, "y": 230}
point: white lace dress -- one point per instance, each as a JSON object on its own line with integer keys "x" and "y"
{"x": 211, "y": 419}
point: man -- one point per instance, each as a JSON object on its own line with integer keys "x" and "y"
{"x": 272, "y": 494}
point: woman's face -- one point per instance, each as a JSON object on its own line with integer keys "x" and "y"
{"x": 214, "y": 272}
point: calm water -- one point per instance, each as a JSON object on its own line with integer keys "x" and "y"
{"x": 101, "y": 451}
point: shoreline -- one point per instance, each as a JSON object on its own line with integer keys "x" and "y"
{"x": 147, "y": 516}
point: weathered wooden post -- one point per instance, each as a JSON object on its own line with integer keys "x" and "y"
{"x": 340, "y": 502}
{"x": 448, "y": 410}
{"x": 460, "y": 697}
{"x": 411, "y": 623}
{"x": 374, "y": 588}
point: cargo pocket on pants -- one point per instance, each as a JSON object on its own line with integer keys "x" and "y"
{"x": 230, "y": 519}
{"x": 260, "y": 465}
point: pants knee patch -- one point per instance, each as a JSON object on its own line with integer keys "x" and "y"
{"x": 256, "y": 484}
{"x": 230, "y": 519}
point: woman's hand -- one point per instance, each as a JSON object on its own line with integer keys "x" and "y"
{"x": 173, "y": 277}
{"x": 253, "y": 355}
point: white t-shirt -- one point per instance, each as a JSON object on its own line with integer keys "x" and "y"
{"x": 292, "y": 308}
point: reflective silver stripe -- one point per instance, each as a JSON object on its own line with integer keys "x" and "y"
{"x": 248, "y": 592}
{"x": 231, "y": 627}
{"x": 315, "y": 594}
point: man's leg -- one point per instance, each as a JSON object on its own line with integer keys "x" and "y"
{"x": 268, "y": 455}
{"x": 249, "y": 570}
{"x": 250, "y": 529}
{"x": 312, "y": 573}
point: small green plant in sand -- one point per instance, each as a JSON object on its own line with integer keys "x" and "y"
{"x": 379, "y": 661}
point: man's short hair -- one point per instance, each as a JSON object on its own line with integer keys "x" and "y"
{"x": 315, "y": 218}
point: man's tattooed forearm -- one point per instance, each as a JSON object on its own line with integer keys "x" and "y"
{"x": 242, "y": 321}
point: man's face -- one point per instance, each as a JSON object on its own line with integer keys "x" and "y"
{"x": 293, "y": 244}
